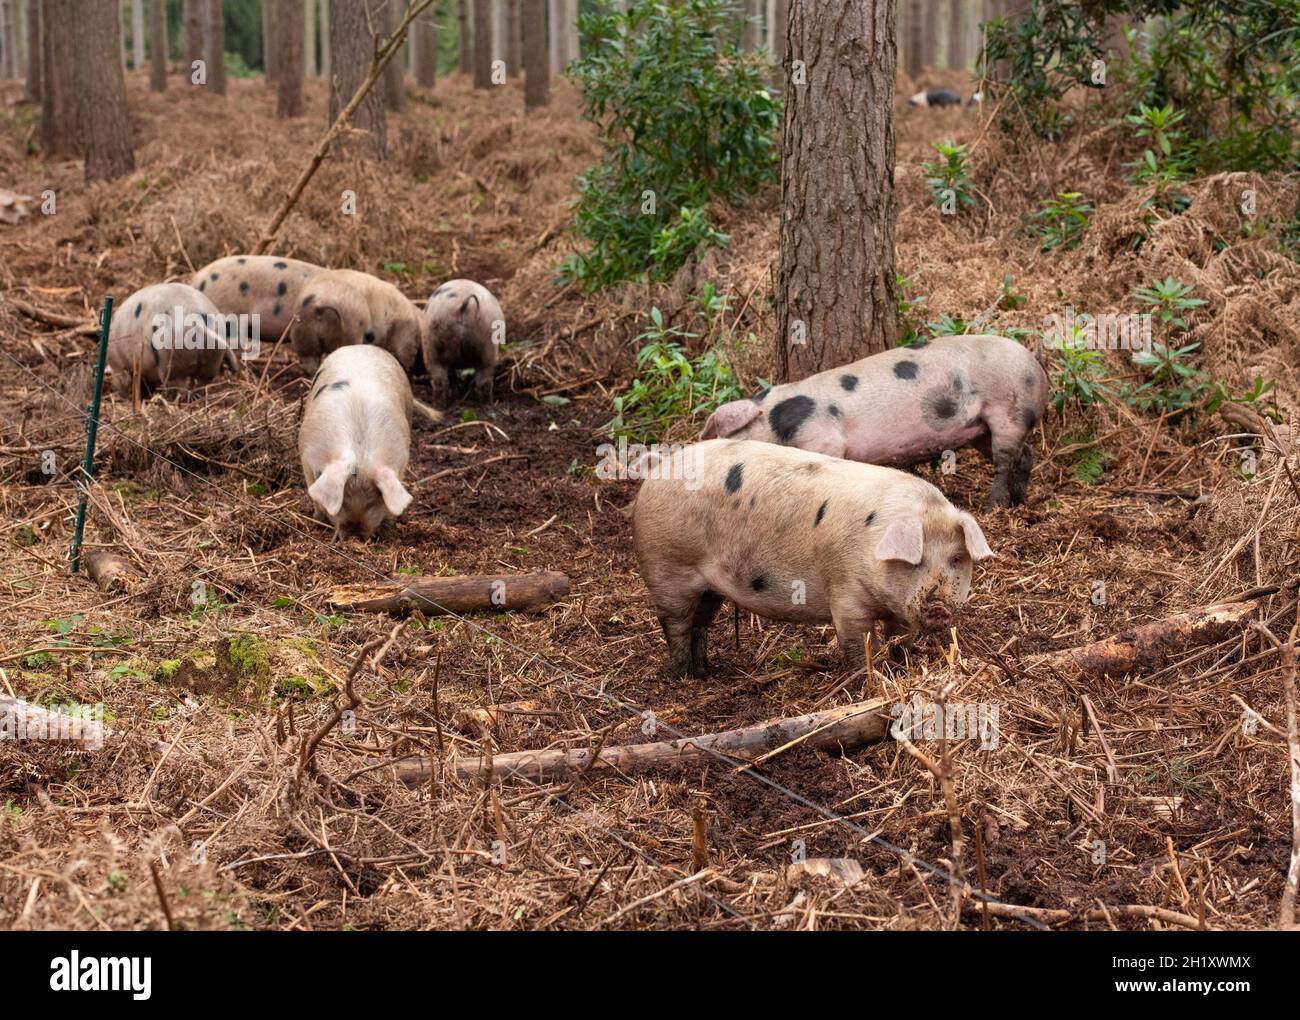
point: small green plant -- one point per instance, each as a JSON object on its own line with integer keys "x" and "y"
{"x": 670, "y": 384}
{"x": 909, "y": 322}
{"x": 1062, "y": 220}
{"x": 1255, "y": 396}
{"x": 1078, "y": 373}
{"x": 1090, "y": 461}
{"x": 712, "y": 305}
{"x": 1169, "y": 299}
{"x": 947, "y": 325}
{"x": 1174, "y": 384}
{"x": 949, "y": 178}
{"x": 1010, "y": 300}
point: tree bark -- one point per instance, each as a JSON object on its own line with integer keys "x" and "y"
{"x": 157, "y": 45}
{"x": 512, "y": 38}
{"x": 34, "y": 54}
{"x": 836, "y": 293}
{"x": 8, "y": 33}
{"x": 464, "y": 37}
{"x": 58, "y": 108}
{"x": 309, "y": 39}
{"x": 482, "y": 44}
{"x": 270, "y": 51}
{"x": 780, "y": 29}
{"x": 915, "y": 38}
{"x": 216, "y": 40}
{"x": 395, "y": 72}
{"x": 99, "y": 87}
{"x": 537, "y": 59}
{"x": 554, "y": 38}
{"x": 424, "y": 49}
{"x": 752, "y": 12}
{"x": 437, "y": 596}
{"x": 137, "y": 34}
{"x": 326, "y": 57}
{"x": 956, "y": 35}
{"x": 572, "y": 49}
{"x": 287, "y": 31}
{"x": 353, "y": 45}
{"x": 192, "y": 24}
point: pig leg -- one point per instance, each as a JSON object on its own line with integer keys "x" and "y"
{"x": 1006, "y": 443}
{"x": 705, "y": 610}
{"x": 1020, "y": 476}
{"x": 677, "y": 629}
{"x": 851, "y": 625}
{"x": 483, "y": 378}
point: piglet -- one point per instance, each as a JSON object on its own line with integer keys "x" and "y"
{"x": 463, "y": 328}
{"x": 267, "y": 286}
{"x": 793, "y": 535}
{"x": 355, "y": 439}
{"x": 342, "y": 306}
{"x": 168, "y": 332}
{"x": 908, "y": 405}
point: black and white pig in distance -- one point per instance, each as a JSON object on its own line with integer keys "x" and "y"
{"x": 339, "y": 307}
{"x": 355, "y": 439}
{"x": 267, "y": 286}
{"x": 463, "y": 329}
{"x": 793, "y": 535}
{"x": 173, "y": 361}
{"x": 908, "y": 405}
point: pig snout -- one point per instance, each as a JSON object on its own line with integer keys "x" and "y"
{"x": 936, "y": 616}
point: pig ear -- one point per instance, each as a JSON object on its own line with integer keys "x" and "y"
{"x": 329, "y": 327}
{"x": 975, "y": 542}
{"x": 902, "y": 540}
{"x": 730, "y": 418}
{"x": 327, "y": 490}
{"x": 396, "y": 498}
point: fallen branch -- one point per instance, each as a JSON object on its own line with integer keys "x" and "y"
{"x": 54, "y": 318}
{"x": 845, "y": 727}
{"x": 441, "y": 596}
{"x": 1151, "y": 645}
{"x": 1049, "y": 915}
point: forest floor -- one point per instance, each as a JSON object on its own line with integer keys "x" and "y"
{"x": 1163, "y": 799}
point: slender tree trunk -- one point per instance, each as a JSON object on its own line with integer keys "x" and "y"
{"x": 326, "y": 56}
{"x": 513, "y": 55}
{"x": 752, "y": 10}
{"x": 836, "y": 293}
{"x": 34, "y": 54}
{"x": 464, "y": 37}
{"x": 58, "y": 90}
{"x": 353, "y": 46}
{"x": 270, "y": 51}
{"x": 137, "y": 34}
{"x": 216, "y": 40}
{"x": 288, "y": 33}
{"x": 482, "y": 44}
{"x": 309, "y": 39}
{"x": 424, "y": 49}
{"x": 572, "y": 49}
{"x": 99, "y": 88}
{"x": 537, "y": 62}
{"x": 8, "y": 33}
{"x": 157, "y": 45}
{"x": 915, "y": 39}
{"x": 956, "y": 35}
{"x": 394, "y": 82}
{"x": 780, "y": 27}
{"x": 555, "y": 21}
{"x": 20, "y": 38}
{"x": 192, "y": 17}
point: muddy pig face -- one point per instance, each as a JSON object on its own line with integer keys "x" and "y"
{"x": 358, "y": 502}
{"x": 324, "y": 325}
{"x": 927, "y": 559}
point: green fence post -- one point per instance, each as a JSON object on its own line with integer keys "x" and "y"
{"x": 92, "y": 430}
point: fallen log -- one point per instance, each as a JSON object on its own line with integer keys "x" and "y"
{"x": 439, "y": 596}
{"x": 849, "y": 726}
{"x": 1151, "y": 645}
{"x": 109, "y": 570}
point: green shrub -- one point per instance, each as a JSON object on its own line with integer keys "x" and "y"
{"x": 1062, "y": 221}
{"x": 949, "y": 179}
{"x": 670, "y": 384}
{"x": 684, "y": 117}
{"x": 1077, "y": 373}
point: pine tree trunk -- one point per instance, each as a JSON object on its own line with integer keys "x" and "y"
{"x": 915, "y": 34}
{"x": 464, "y": 37}
{"x": 192, "y": 22}
{"x": 34, "y": 54}
{"x": 394, "y": 83}
{"x": 288, "y": 33}
{"x": 270, "y": 52}
{"x": 353, "y": 46}
{"x": 309, "y": 39}
{"x": 836, "y": 293}
{"x": 779, "y": 29}
{"x": 956, "y": 35}
{"x": 752, "y": 10}
{"x": 424, "y": 49}
{"x": 157, "y": 45}
{"x": 326, "y": 68}
{"x": 555, "y": 20}
{"x": 99, "y": 88}
{"x": 8, "y": 33}
{"x": 58, "y": 90}
{"x": 216, "y": 40}
{"x": 537, "y": 61}
{"x": 513, "y": 55}
{"x": 482, "y": 44}
{"x": 137, "y": 34}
